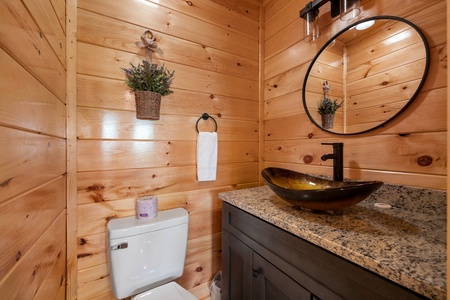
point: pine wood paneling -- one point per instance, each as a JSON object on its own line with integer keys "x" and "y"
{"x": 111, "y": 155}
{"x": 32, "y": 270}
{"x": 112, "y": 94}
{"x": 103, "y": 31}
{"x": 33, "y": 147}
{"x": 282, "y": 18}
{"x": 60, "y": 9}
{"x": 44, "y": 14}
{"x": 210, "y": 12}
{"x": 213, "y": 48}
{"x": 53, "y": 286}
{"x": 395, "y": 153}
{"x": 159, "y": 18}
{"x": 28, "y": 107}
{"x": 105, "y": 124}
{"x": 104, "y": 62}
{"x": 23, "y": 151}
{"x": 24, "y": 219}
{"x": 117, "y": 184}
{"x": 93, "y": 282}
{"x": 247, "y": 8}
{"x": 34, "y": 53}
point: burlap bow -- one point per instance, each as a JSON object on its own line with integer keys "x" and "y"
{"x": 149, "y": 43}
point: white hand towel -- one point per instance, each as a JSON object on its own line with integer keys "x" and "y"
{"x": 206, "y": 156}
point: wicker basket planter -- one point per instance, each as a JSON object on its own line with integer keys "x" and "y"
{"x": 328, "y": 121}
{"x": 148, "y": 105}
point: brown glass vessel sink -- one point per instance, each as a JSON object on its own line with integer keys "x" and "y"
{"x": 316, "y": 193}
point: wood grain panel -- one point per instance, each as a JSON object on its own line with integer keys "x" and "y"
{"x": 283, "y": 40}
{"x": 35, "y": 54}
{"x": 425, "y": 114}
{"x": 213, "y": 48}
{"x": 205, "y": 223}
{"x": 248, "y": 8}
{"x": 33, "y": 146}
{"x": 197, "y": 247}
{"x": 113, "y": 94}
{"x": 287, "y": 14}
{"x": 92, "y": 250}
{"x": 106, "y": 32}
{"x": 49, "y": 25}
{"x": 93, "y": 282}
{"x": 378, "y": 97}
{"x": 29, "y": 107}
{"x": 394, "y": 153}
{"x": 113, "y": 155}
{"x": 159, "y": 18}
{"x": 24, "y": 219}
{"x": 30, "y": 273}
{"x": 219, "y": 14}
{"x": 103, "y": 124}
{"x": 105, "y": 62}
{"x": 111, "y": 185}
{"x": 54, "y": 283}
{"x": 392, "y": 77}
{"x": 60, "y": 9}
{"x": 284, "y": 105}
{"x": 23, "y": 151}
{"x": 201, "y": 271}
{"x": 94, "y": 216}
{"x": 286, "y": 83}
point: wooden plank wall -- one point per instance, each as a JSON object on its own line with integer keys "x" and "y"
{"x": 33, "y": 150}
{"x": 213, "y": 48}
{"x": 390, "y": 153}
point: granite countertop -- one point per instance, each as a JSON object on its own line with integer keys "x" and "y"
{"x": 406, "y": 243}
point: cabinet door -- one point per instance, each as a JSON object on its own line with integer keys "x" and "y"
{"x": 237, "y": 260}
{"x": 269, "y": 283}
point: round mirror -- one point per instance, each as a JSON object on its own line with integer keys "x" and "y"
{"x": 366, "y": 75}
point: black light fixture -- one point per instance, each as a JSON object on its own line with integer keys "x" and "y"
{"x": 347, "y": 9}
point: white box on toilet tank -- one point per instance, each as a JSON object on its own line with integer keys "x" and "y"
{"x": 144, "y": 254}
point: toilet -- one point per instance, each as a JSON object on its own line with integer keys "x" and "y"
{"x": 145, "y": 256}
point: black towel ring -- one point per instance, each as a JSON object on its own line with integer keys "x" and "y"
{"x": 205, "y": 117}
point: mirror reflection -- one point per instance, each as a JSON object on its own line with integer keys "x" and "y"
{"x": 368, "y": 73}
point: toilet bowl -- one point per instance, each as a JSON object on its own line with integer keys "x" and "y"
{"x": 145, "y": 256}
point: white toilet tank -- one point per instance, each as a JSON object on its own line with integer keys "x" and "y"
{"x": 144, "y": 254}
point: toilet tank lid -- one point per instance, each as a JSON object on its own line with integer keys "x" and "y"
{"x": 129, "y": 226}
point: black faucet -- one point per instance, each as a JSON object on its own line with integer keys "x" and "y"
{"x": 338, "y": 160}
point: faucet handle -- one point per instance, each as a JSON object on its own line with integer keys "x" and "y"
{"x": 333, "y": 144}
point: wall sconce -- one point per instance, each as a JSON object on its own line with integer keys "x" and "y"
{"x": 347, "y": 9}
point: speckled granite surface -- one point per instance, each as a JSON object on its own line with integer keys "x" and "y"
{"x": 406, "y": 243}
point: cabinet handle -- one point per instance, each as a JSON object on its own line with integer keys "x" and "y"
{"x": 256, "y": 273}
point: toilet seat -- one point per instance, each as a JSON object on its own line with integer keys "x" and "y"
{"x": 171, "y": 290}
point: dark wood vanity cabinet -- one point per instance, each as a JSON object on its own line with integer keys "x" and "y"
{"x": 261, "y": 261}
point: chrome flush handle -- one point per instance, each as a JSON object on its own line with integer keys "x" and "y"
{"x": 123, "y": 245}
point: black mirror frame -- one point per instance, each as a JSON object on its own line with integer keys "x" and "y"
{"x": 422, "y": 82}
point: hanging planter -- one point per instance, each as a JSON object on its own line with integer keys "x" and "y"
{"x": 149, "y": 83}
{"x": 327, "y": 108}
{"x": 148, "y": 105}
{"x": 328, "y": 121}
